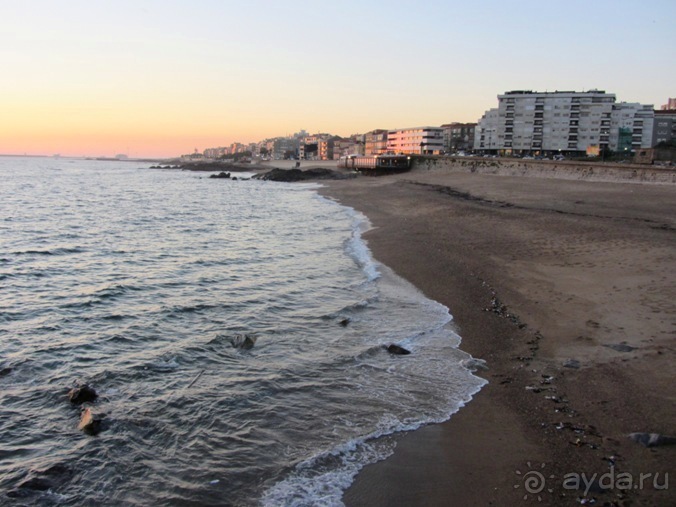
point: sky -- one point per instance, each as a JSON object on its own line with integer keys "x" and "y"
{"x": 162, "y": 78}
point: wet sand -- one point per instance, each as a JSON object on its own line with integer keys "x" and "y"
{"x": 568, "y": 290}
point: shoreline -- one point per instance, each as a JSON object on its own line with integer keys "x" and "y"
{"x": 538, "y": 274}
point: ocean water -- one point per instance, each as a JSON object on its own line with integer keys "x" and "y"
{"x": 135, "y": 281}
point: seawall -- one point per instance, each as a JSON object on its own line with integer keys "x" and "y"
{"x": 566, "y": 169}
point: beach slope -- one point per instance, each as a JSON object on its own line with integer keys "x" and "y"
{"x": 568, "y": 290}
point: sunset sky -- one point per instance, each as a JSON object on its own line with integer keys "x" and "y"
{"x": 161, "y": 78}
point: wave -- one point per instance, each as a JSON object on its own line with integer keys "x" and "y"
{"x": 55, "y": 251}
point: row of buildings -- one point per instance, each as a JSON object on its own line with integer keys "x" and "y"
{"x": 448, "y": 138}
{"x": 571, "y": 123}
{"x": 524, "y": 123}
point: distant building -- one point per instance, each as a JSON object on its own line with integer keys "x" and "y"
{"x": 326, "y": 148}
{"x": 416, "y": 140}
{"x": 214, "y": 153}
{"x": 669, "y": 106}
{"x": 346, "y": 147}
{"x": 486, "y": 132}
{"x": 285, "y": 147}
{"x": 308, "y": 149}
{"x": 237, "y": 148}
{"x": 375, "y": 142}
{"x": 458, "y": 136}
{"x": 527, "y": 122}
{"x": 631, "y": 127}
{"x": 664, "y": 127}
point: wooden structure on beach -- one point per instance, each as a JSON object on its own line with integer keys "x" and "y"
{"x": 377, "y": 164}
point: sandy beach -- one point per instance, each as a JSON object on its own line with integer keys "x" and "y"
{"x": 568, "y": 290}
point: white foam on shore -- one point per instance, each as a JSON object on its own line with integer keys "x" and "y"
{"x": 435, "y": 367}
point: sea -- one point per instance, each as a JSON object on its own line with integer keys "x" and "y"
{"x": 138, "y": 281}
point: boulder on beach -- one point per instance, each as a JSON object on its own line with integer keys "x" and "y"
{"x": 473, "y": 364}
{"x": 652, "y": 439}
{"x": 82, "y": 394}
{"x": 397, "y": 350}
{"x": 291, "y": 175}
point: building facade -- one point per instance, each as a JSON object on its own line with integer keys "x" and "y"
{"x": 416, "y": 140}
{"x": 664, "y": 127}
{"x": 669, "y": 106}
{"x": 284, "y": 147}
{"x": 375, "y": 142}
{"x": 458, "y": 136}
{"x": 631, "y": 127}
{"x": 527, "y": 122}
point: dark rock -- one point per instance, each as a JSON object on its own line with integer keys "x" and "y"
{"x": 291, "y": 175}
{"x": 652, "y": 439}
{"x": 473, "y": 364}
{"x": 5, "y": 371}
{"x": 620, "y": 347}
{"x": 82, "y": 394}
{"x": 221, "y": 175}
{"x": 572, "y": 363}
{"x": 243, "y": 341}
{"x": 36, "y": 484}
{"x": 344, "y": 322}
{"x": 397, "y": 350}
{"x": 90, "y": 422}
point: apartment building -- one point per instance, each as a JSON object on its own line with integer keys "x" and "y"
{"x": 664, "y": 127}
{"x": 458, "y": 136}
{"x": 669, "y": 106}
{"x": 631, "y": 127}
{"x": 375, "y": 142}
{"x": 563, "y": 122}
{"x": 416, "y": 140}
{"x": 284, "y": 147}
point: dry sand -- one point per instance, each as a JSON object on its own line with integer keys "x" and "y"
{"x": 537, "y": 273}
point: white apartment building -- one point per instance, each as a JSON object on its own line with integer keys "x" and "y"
{"x": 561, "y": 122}
{"x": 416, "y": 140}
{"x": 631, "y": 126}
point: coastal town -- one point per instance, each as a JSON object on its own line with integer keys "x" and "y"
{"x": 527, "y": 124}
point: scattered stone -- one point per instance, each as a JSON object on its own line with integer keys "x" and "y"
{"x": 571, "y": 363}
{"x": 90, "y": 423}
{"x": 474, "y": 364}
{"x": 620, "y": 347}
{"x": 397, "y": 350}
{"x": 82, "y": 394}
{"x": 652, "y": 439}
{"x": 243, "y": 341}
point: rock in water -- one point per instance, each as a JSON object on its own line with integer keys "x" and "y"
{"x": 90, "y": 423}
{"x": 397, "y": 350}
{"x": 222, "y": 174}
{"x": 82, "y": 394}
{"x": 243, "y": 341}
